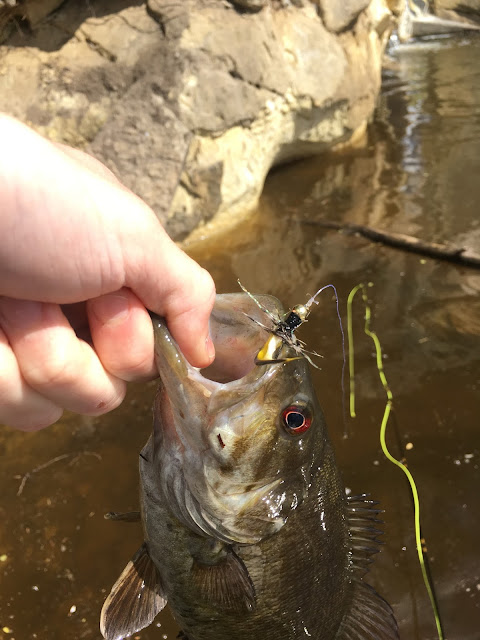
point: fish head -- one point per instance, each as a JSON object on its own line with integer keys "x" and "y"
{"x": 236, "y": 444}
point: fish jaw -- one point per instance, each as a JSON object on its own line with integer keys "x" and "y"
{"x": 226, "y": 466}
{"x": 185, "y": 388}
{"x": 186, "y": 448}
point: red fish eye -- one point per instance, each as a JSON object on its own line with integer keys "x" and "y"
{"x": 296, "y": 419}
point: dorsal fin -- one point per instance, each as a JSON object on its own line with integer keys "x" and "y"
{"x": 135, "y": 598}
{"x": 369, "y": 617}
{"x": 364, "y": 526}
{"x": 225, "y": 584}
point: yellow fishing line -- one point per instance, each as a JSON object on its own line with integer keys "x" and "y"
{"x": 383, "y": 430}
{"x": 351, "y": 369}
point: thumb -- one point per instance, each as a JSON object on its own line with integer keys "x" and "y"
{"x": 187, "y": 307}
{"x": 171, "y": 284}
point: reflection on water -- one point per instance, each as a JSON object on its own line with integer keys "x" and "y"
{"x": 418, "y": 175}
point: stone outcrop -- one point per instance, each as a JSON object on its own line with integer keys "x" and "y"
{"x": 466, "y": 10}
{"x": 338, "y": 16}
{"x": 191, "y": 103}
{"x": 465, "y": 6}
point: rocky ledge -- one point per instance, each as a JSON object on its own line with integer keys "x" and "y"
{"x": 467, "y": 11}
{"x": 192, "y": 102}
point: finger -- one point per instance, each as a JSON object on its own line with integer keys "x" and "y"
{"x": 54, "y": 362}
{"x": 110, "y": 237}
{"x": 171, "y": 284}
{"x": 20, "y": 406}
{"x": 188, "y": 312}
{"x": 77, "y": 217}
{"x": 89, "y": 162}
{"x": 122, "y": 334}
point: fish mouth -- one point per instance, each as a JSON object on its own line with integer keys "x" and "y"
{"x": 202, "y": 482}
{"x": 239, "y": 330}
{"x": 191, "y": 392}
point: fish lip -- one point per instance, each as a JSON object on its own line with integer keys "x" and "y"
{"x": 189, "y": 392}
{"x": 167, "y": 353}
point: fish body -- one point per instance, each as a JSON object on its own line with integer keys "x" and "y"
{"x": 248, "y": 531}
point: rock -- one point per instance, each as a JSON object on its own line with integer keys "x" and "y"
{"x": 465, "y": 6}
{"x": 430, "y": 25}
{"x": 31, "y": 11}
{"x": 169, "y": 96}
{"x": 467, "y": 11}
{"x": 417, "y": 20}
{"x": 249, "y": 5}
{"x": 36, "y": 10}
{"x": 337, "y": 16}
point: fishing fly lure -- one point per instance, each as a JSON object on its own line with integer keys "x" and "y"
{"x": 283, "y": 329}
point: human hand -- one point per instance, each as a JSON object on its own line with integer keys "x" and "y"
{"x": 71, "y": 233}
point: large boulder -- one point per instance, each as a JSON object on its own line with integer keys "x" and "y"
{"x": 191, "y": 103}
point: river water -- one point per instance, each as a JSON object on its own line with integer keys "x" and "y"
{"x": 419, "y": 175}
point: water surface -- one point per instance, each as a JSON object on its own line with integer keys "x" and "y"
{"x": 419, "y": 174}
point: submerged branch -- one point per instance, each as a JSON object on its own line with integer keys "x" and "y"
{"x": 458, "y": 255}
{"x": 53, "y": 461}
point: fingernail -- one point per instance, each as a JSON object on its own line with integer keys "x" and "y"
{"x": 111, "y": 309}
{"x": 210, "y": 349}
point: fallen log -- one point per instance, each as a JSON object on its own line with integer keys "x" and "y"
{"x": 458, "y": 255}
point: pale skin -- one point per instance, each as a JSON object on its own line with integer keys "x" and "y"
{"x": 72, "y": 233}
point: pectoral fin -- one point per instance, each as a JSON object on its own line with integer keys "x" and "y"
{"x": 135, "y": 598}
{"x": 226, "y": 584}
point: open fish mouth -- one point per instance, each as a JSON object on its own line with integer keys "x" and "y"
{"x": 214, "y": 426}
{"x": 239, "y": 331}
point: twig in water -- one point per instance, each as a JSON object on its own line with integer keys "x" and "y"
{"x": 458, "y": 255}
{"x": 29, "y": 474}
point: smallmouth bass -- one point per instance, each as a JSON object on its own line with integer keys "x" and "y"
{"x": 248, "y": 531}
